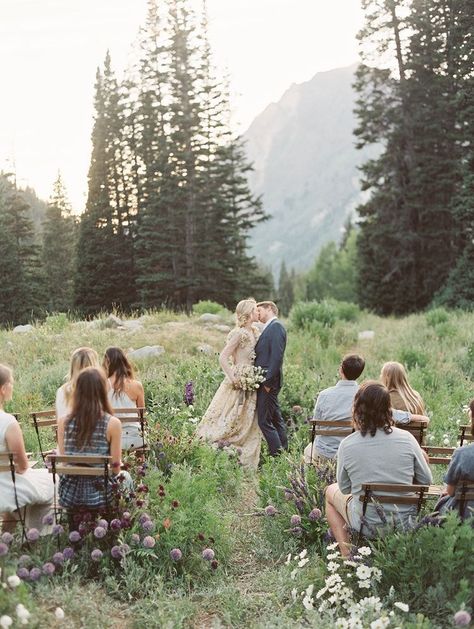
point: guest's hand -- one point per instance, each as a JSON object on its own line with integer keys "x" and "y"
{"x": 267, "y": 389}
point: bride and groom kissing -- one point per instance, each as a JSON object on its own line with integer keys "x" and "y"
{"x": 239, "y": 414}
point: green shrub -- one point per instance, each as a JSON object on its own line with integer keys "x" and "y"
{"x": 412, "y": 358}
{"x": 212, "y": 307}
{"x": 436, "y": 316}
{"x": 304, "y": 314}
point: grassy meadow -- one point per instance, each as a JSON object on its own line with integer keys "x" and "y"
{"x": 265, "y": 563}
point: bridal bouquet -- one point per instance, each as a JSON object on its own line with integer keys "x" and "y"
{"x": 250, "y": 378}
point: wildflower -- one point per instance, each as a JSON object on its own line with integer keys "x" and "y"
{"x": 303, "y": 562}
{"x": 96, "y": 554}
{"x": 288, "y": 559}
{"x": 321, "y": 592}
{"x": 333, "y": 546}
{"x": 446, "y": 441}
{"x": 380, "y": 623}
{"x": 167, "y": 523}
{"x": 148, "y": 526}
{"x": 22, "y": 613}
{"x": 57, "y": 529}
{"x": 175, "y": 504}
{"x": 24, "y": 560}
{"x": 307, "y": 602}
{"x": 364, "y": 584}
{"x": 299, "y": 504}
{"x": 49, "y": 568}
{"x": 333, "y": 566}
{"x": 48, "y": 519}
{"x": 208, "y": 554}
{"x": 23, "y": 574}
{"x": 149, "y": 541}
{"x": 58, "y": 559}
{"x": 288, "y": 494}
{"x": 176, "y": 554}
{"x": 376, "y": 574}
{"x": 315, "y": 514}
{"x": 297, "y": 409}
{"x": 297, "y": 530}
{"x": 294, "y": 594}
{"x": 201, "y": 537}
{"x": 115, "y": 552}
{"x": 3, "y": 549}
{"x": 74, "y": 536}
{"x": 295, "y": 520}
{"x": 402, "y": 606}
{"x": 35, "y": 574}
{"x": 68, "y": 552}
{"x": 214, "y": 564}
{"x": 363, "y": 572}
{"x": 309, "y": 590}
{"x": 7, "y": 538}
{"x": 13, "y": 581}
{"x": 364, "y": 550}
{"x": 135, "y": 539}
{"x": 189, "y": 393}
{"x": 333, "y": 556}
{"x": 462, "y": 618}
{"x": 103, "y": 523}
{"x": 32, "y": 535}
{"x": 5, "y": 622}
{"x": 115, "y": 524}
{"x": 293, "y": 573}
{"x": 270, "y": 510}
{"x": 59, "y": 614}
{"x": 144, "y": 517}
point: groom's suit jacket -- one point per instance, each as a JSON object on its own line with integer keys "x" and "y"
{"x": 269, "y": 352}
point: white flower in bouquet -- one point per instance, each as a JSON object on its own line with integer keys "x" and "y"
{"x": 250, "y": 378}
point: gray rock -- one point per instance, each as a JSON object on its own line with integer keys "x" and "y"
{"x": 149, "y": 351}
{"x": 133, "y": 325}
{"x": 209, "y": 318}
{"x": 112, "y": 322}
{"x": 366, "y": 335}
{"x": 206, "y": 349}
{"x": 23, "y": 328}
{"x": 221, "y": 327}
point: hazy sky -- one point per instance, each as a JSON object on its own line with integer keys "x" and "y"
{"x": 50, "y": 49}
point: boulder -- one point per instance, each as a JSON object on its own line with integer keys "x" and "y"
{"x": 206, "y": 349}
{"x": 133, "y": 325}
{"x": 207, "y": 317}
{"x": 149, "y": 351}
{"x": 112, "y": 322}
{"x": 366, "y": 335}
{"x": 221, "y": 327}
{"x": 23, "y": 328}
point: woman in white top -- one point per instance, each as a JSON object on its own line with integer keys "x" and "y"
{"x": 81, "y": 358}
{"x": 34, "y": 488}
{"x": 124, "y": 392}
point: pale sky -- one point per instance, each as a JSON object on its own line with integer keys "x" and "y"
{"x": 50, "y": 49}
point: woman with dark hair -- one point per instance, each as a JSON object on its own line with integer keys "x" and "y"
{"x": 461, "y": 468}
{"x": 124, "y": 392}
{"x": 89, "y": 429}
{"x": 377, "y": 452}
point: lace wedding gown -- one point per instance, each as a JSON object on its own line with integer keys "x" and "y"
{"x": 231, "y": 416}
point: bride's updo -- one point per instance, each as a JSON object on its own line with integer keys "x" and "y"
{"x": 243, "y": 311}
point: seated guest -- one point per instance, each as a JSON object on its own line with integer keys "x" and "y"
{"x": 461, "y": 468}
{"x": 335, "y": 404}
{"x": 377, "y": 452}
{"x": 403, "y": 397}
{"x": 89, "y": 429}
{"x": 81, "y": 358}
{"x": 124, "y": 392}
{"x": 34, "y": 488}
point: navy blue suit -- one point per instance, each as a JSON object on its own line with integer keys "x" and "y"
{"x": 269, "y": 353}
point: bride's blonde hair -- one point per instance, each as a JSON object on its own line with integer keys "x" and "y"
{"x": 243, "y": 311}
{"x": 394, "y": 377}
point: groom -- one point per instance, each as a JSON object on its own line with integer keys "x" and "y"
{"x": 269, "y": 353}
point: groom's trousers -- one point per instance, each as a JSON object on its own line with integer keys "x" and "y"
{"x": 270, "y": 420}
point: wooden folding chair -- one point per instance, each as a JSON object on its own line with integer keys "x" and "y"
{"x": 382, "y": 493}
{"x": 7, "y": 464}
{"x": 464, "y": 493}
{"x": 438, "y": 456}
{"x": 465, "y": 434}
{"x": 416, "y": 428}
{"x": 329, "y": 428}
{"x": 44, "y": 419}
{"x": 79, "y": 465}
{"x": 134, "y": 415}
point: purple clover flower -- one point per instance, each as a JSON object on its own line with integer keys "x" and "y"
{"x": 103, "y": 524}
{"x": 288, "y": 495}
{"x": 7, "y": 538}
{"x": 68, "y": 552}
{"x": 143, "y": 518}
{"x": 115, "y": 524}
{"x": 32, "y": 535}
{"x": 176, "y": 554}
{"x": 189, "y": 393}
{"x": 299, "y": 504}
{"x": 462, "y": 618}
{"x": 49, "y": 568}
{"x": 126, "y": 515}
{"x": 295, "y": 520}
{"x": 57, "y": 529}
{"x": 96, "y": 554}
{"x": 3, "y": 549}
{"x": 214, "y": 564}
{"x": 58, "y": 559}
{"x": 74, "y": 536}
{"x": 135, "y": 538}
{"x": 270, "y": 510}
{"x": 24, "y": 560}
{"x": 23, "y": 574}
{"x": 48, "y": 519}
{"x": 115, "y": 552}
{"x": 99, "y": 532}
{"x": 149, "y": 541}
{"x": 35, "y": 574}
{"x": 208, "y": 554}
{"x": 315, "y": 514}
{"x": 297, "y": 530}
{"x": 148, "y": 526}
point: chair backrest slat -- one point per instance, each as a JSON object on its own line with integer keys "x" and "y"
{"x": 80, "y": 459}
{"x": 74, "y": 470}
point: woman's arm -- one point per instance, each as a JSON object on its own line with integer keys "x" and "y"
{"x": 15, "y": 444}
{"x": 114, "y": 437}
{"x": 226, "y": 353}
{"x": 140, "y": 399}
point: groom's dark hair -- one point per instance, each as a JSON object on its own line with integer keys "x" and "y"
{"x": 269, "y": 304}
{"x": 352, "y": 366}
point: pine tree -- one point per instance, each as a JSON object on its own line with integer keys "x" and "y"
{"x": 286, "y": 293}
{"x": 59, "y": 248}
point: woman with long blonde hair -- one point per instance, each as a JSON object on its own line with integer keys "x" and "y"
{"x": 231, "y": 416}
{"x": 81, "y": 358}
{"x": 402, "y": 395}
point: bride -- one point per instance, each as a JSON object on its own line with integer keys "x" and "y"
{"x": 231, "y": 416}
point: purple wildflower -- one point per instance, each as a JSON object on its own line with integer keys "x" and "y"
{"x": 74, "y": 536}
{"x": 57, "y": 529}
{"x": 103, "y": 524}
{"x": 208, "y": 554}
{"x": 96, "y": 554}
{"x": 32, "y": 535}
{"x": 214, "y": 564}
{"x": 3, "y": 549}
{"x": 148, "y": 526}
{"x": 135, "y": 538}
{"x": 35, "y": 574}
{"x": 288, "y": 494}
{"x": 99, "y": 532}
{"x": 297, "y": 530}
{"x": 58, "y": 559}
{"x": 270, "y": 510}
{"x": 48, "y": 519}
{"x": 23, "y": 574}
{"x": 7, "y": 538}
{"x": 68, "y": 552}
{"x": 295, "y": 520}
{"x": 176, "y": 554}
{"x": 299, "y": 504}
{"x": 189, "y": 393}
{"x": 126, "y": 515}
{"x": 24, "y": 560}
{"x": 115, "y": 524}
{"x": 49, "y": 568}
{"x": 143, "y": 518}
{"x": 116, "y": 552}
{"x": 149, "y": 541}
{"x": 124, "y": 549}
{"x": 462, "y": 618}
{"x": 315, "y": 514}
